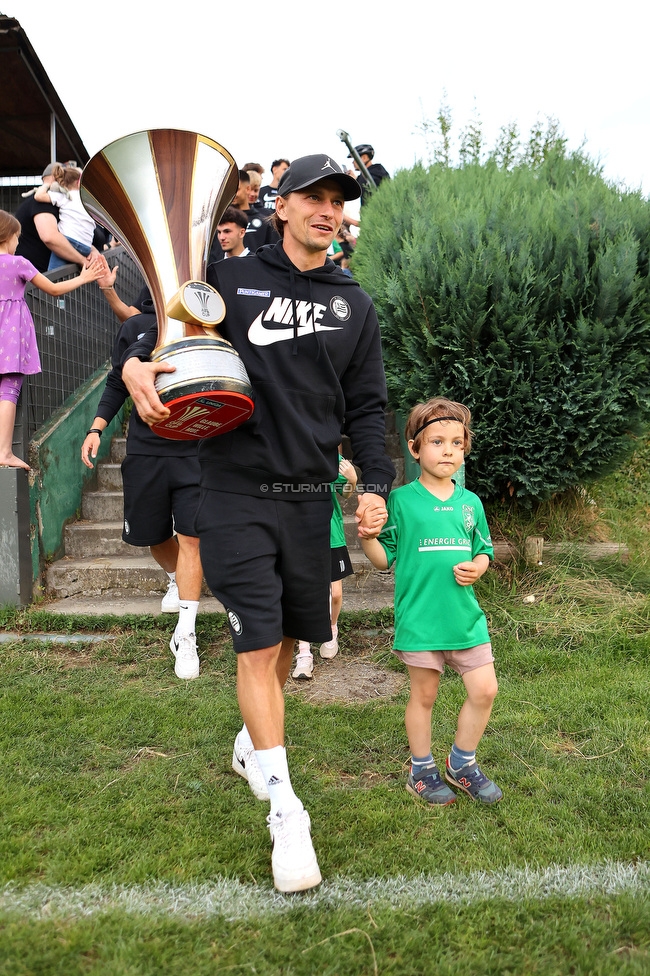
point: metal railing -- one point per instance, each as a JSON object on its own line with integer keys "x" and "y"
{"x": 75, "y": 335}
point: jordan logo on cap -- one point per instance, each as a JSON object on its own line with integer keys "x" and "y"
{"x": 327, "y": 165}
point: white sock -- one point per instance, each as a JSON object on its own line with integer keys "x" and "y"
{"x": 273, "y": 763}
{"x": 187, "y": 610}
{"x": 172, "y": 577}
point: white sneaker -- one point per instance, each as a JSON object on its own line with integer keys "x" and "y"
{"x": 183, "y": 648}
{"x": 170, "y": 601}
{"x": 304, "y": 668}
{"x": 330, "y": 648}
{"x": 293, "y": 860}
{"x": 244, "y": 762}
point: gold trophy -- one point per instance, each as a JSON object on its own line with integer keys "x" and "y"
{"x": 161, "y": 193}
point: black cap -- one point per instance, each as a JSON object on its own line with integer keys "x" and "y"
{"x": 365, "y": 149}
{"x": 307, "y": 170}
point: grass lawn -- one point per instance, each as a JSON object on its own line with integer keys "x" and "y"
{"x": 128, "y": 846}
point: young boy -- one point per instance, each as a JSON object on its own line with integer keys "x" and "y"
{"x": 438, "y": 538}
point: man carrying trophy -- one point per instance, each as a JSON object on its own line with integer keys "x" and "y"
{"x": 309, "y": 339}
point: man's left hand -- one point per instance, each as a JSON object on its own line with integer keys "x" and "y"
{"x": 371, "y": 515}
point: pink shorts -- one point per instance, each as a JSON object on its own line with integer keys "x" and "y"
{"x": 460, "y": 661}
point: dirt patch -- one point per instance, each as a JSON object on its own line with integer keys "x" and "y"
{"x": 347, "y": 679}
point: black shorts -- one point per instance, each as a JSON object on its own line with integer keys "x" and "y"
{"x": 268, "y": 562}
{"x": 341, "y": 563}
{"x": 161, "y": 494}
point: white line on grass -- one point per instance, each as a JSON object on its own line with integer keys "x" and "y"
{"x": 233, "y": 900}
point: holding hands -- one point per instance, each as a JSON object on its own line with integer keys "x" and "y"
{"x": 371, "y": 515}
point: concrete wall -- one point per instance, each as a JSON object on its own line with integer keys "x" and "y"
{"x": 15, "y": 557}
{"x": 58, "y": 475}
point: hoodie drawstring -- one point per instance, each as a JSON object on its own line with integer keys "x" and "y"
{"x": 292, "y": 289}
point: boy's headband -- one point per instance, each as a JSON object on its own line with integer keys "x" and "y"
{"x": 435, "y": 421}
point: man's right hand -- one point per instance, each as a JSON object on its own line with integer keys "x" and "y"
{"x": 139, "y": 380}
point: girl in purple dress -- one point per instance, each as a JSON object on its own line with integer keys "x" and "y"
{"x": 18, "y": 349}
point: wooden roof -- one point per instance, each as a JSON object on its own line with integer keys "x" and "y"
{"x": 28, "y": 103}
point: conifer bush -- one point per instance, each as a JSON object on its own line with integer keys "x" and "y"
{"x": 523, "y": 293}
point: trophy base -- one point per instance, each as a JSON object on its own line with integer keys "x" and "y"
{"x": 208, "y": 394}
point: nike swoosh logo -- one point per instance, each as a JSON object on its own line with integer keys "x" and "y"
{"x": 258, "y": 335}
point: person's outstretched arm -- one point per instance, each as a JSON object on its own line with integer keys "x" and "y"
{"x": 91, "y": 273}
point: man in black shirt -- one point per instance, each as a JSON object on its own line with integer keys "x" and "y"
{"x": 376, "y": 170}
{"x": 40, "y": 234}
{"x": 309, "y": 339}
{"x": 269, "y": 192}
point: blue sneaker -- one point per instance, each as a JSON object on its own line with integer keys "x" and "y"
{"x": 472, "y": 780}
{"x": 428, "y": 785}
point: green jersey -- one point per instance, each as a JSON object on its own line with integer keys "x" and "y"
{"x": 337, "y": 527}
{"x": 426, "y": 538}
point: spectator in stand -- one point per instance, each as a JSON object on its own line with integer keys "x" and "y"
{"x": 230, "y": 233}
{"x": 40, "y": 235}
{"x": 269, "y": 193}
{"x": 254, "y": 190}
{"x": 18, "y": 349}
{"x": 335, "y": 252}
{"x": 259, "y": 231}
{"x": 347, "y": 242}
{"x": 254, "y": 168}
{"x": 376, "y": 170}
{"x": 75, "y": 223}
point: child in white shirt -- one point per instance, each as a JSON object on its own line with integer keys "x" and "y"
{"x": 74, "y": 222}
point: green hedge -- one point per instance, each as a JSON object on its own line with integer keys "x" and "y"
{"x": 525, "y": 295}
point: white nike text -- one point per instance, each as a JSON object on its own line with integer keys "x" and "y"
{"x": 281, "y": 312}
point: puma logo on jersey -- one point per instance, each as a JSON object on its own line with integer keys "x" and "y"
{"x": 280, "y": 312}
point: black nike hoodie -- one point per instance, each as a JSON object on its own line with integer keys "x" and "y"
{"x": 311, "y": 345}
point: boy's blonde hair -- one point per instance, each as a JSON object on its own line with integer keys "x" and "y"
{"x": 8, "y": 226}
{"x": 438, "y": 407}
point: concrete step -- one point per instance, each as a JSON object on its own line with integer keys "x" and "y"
{"x": 109, "y": 476}
{"x": 120, "y": 576}
{"x": 140, "y": 575}
{"x": 102, "y": 506}
{"x": 355, "y": 600}
{"x": 98, "y": 564}
{"x": 95, "y": 539}
{"x": 118, "y": 449}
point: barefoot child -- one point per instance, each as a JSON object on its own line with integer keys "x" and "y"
{"x": 18, "y": 349}
{"x": 438, "y": 538}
